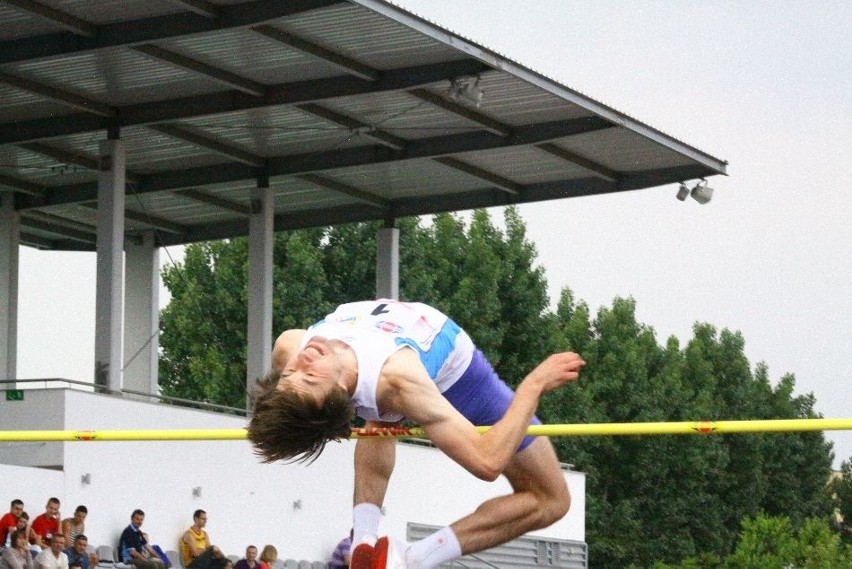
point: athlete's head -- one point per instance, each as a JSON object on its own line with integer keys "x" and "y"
{"x": 295, "y": 416}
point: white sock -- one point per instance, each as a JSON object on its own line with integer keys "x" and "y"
{"x": 365, "y": 523}
{"x": 439, "y": 548}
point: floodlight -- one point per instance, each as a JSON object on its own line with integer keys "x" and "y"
{"x": 682, "y": 192}
{"x": 702, "y": 193}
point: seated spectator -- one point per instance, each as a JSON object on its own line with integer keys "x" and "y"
{"x": 72, "y": 527}
{"x": 78, "y": 557}
{"x": 340, "y": 557}
{"x": 17, "y": 556}
{"x": 46, "y": 524}
{"x": 9, "y": 522}
{"x": 268, "y": 557}
{"x": 52, "y": 557}
{"x": 196, "y": 552}
{"x": 250, "y": 561}
{"x": 133, "y": 545}
{"x": 24, "y": 526}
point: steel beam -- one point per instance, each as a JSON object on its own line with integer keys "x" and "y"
{"x": 22, "y": 186}
{"x": 585, "y": 163}
{"x": 64, "y": 97}
{"x": 221, "y": 76}
{"x": 327, "y": 161}
{"x": 170, "y": 110}
{"x": 334, "y": 185}
{"x": 354, "y": 125}
{"x": 482, "y": 120}
{"x": 146, "y": 30}
{"x": 71, "y": 23}
{"x": 208, "y": 143}
{"x": 60, "y": 230}
{"x": 222, "y": 203}
{"x": 200, "y": 7}
{"x": 499, "y": 181}
{"x": 147, "y": 219}
{"x": 346, "y": 64}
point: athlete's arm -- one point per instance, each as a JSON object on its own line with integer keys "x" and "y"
{"x": 286, "y": 346}
{"x": 406, "y": 388}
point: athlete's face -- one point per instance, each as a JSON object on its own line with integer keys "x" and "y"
{"x": 315, "y": 370}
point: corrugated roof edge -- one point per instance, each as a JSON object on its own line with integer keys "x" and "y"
{"x": 500, "y": 61}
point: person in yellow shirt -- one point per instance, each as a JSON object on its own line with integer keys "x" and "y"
{"x": 196, "y": 552}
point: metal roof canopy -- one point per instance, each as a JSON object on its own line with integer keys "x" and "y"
{"x": 347, "y": 108}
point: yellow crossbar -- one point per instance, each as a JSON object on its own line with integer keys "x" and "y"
{"x": 565, "y": 430}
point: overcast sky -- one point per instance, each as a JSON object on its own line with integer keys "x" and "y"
{"x": 766, "y": 86}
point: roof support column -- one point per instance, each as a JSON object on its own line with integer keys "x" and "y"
{"x": 110, "y": 266}
{"x": 10, "y": 233}
{"x": 387, "y": 261}
{"x": 142, "y": 314}
{"x": 259, "y": 333}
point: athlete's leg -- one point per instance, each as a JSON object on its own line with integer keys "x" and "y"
{"x": 540, "y": 498}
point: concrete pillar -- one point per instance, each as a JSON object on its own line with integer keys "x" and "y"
{"x": 259, "y": 333}
{"x": 387, "y": 263}
{"x": 10, "y": 233}
{"x": 110, "y": 266}
{"x": 142, "y": 314}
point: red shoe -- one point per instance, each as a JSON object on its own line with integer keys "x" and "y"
{"x": 390, "y": 554}
{"x": 363, "y": 557}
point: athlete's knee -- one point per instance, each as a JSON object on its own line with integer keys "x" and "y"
{"x": 553, "y": 504}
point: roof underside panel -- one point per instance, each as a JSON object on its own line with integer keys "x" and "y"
{"x": 351, "y": 110}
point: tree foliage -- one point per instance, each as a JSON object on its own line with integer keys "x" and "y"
{"x": 649, "y": 499}
{"x": 774, "y": 541}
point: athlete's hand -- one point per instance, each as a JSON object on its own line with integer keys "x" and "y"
{"x": 555, "y": 371}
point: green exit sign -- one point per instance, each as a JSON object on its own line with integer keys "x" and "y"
{"x": 14, "y": 395}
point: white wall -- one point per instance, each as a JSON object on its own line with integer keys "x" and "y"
{"x": 246, "y": 501}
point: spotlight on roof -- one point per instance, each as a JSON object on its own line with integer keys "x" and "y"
{"x": 702, "y": 193}
{"x": 466, "y": 89}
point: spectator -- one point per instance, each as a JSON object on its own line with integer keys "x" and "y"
{"x": 340, "y": 556}
{"x": 134, "y": 547}
{"x": 24, "y": 526}
{"x": 196, "y": 552}
{"x": 78, "y": 557}
{"x": 268, "y": 557}
{"x": 250, "y": 561}
{"x": 47, "y": 524}
{"x": 9, "y": 522}
{"x": 17, "y": 556}
{"x": 72, "y": 527}
{"x": 52, "y": 557}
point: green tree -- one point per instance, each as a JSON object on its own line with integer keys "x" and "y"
{"x": 203, "y": 328}
{"x": 798, "y": 465}
{"x": 772, "y": 541}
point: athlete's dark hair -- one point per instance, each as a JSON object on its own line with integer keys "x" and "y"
{"x": 295, "y": 427}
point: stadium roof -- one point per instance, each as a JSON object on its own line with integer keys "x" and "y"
{"x": 350, "y": 110}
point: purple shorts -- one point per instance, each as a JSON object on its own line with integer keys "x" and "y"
{"x": 482, "y": 397}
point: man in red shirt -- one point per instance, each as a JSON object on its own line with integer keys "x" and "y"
{"x": 46, "y": 524}
{"x": 9, "y": 521}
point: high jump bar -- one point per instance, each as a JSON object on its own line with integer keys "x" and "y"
{"x": 556, "y": 430}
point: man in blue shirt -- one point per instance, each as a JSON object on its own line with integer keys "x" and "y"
{"x": 134, "y": 547}
{"x": 77, "y": 554}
